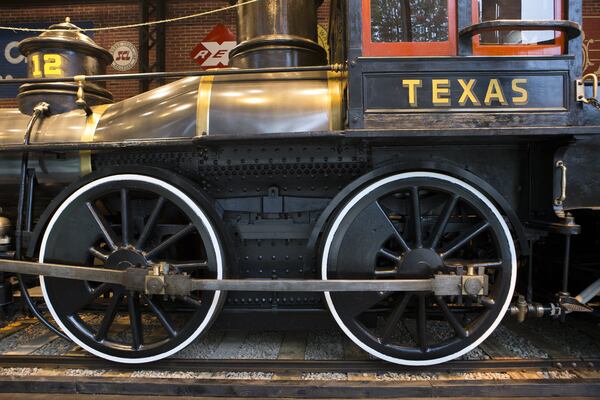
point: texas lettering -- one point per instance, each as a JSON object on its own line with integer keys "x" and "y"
{"x": 465, "y": 92}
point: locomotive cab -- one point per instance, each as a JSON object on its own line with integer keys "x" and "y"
{"x": 474, "y": 67}
{"x": 434, "y": 64}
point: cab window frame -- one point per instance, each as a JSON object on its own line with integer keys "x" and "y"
{"x": 409, "y": 49}
{"x": 558, "y": 48}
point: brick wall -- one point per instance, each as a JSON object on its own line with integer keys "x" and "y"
{"x": 181, "y": 36}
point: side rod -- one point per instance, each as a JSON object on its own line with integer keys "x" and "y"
{"x": 137, "y": 278}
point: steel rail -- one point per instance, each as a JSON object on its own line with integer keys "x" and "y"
{"x": 303, "y": 389}
{"x": 314, "y": 366}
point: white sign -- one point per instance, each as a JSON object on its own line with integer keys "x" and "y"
{"x": 125, "y": 55}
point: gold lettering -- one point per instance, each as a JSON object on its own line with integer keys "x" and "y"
{"x": 35, "y": 66}
{"x": 52, "y": 65}
{"x": 523, "y": 99}
{"x": 467, "y": 94}
{"x": 494, "y": 92}
{"x": 412, "y": 85}
{"x": 440, "y": 87}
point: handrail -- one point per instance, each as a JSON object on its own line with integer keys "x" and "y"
{"x": 572, "y": 29}
{"x": 174, "y": 75}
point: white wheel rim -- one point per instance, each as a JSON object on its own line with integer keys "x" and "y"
{"x": 408, "y": 175}
{"x": 214, "y": 242}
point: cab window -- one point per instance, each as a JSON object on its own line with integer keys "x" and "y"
{"x": 517, "y": 42}
{"x": 409, "y": 27}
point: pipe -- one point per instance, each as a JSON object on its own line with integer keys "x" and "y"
{"x": 589, "y": 292}
{"x": 565, "y": 276}
{"x": 530, "y": 274}
{"x": 522, "y": 309}
{"x": 38, "y": 112}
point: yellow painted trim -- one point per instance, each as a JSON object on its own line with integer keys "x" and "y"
{"x": 336, "y": 83}
{"x": 85, "y": 156}
{"x": 203, "y": 107}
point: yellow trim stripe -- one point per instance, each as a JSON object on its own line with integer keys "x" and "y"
{"x": 203, "y": 108}
{"x": 91, "y": 123}
{"x": 336, "y": 82}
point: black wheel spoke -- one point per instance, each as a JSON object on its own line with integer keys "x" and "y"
{"x": 395, "y": 316}
{"x": 389, "y": 255}
{"x": 442, "y": 221}
{"x": 492, "y": 264}
{"x": 109, "y": 315}
{"x": 192, "y": 265}
{"x": 105, "y": 228}
{"x": 125, "y": 234}
{"x": 171, "y": 240}
{"x": 356, "y": 304}
{"x": 98, "y": 254}
{"x": 192, "y": 301}
{"x": 135, "y": 319}
{"x": 464, "y": 239}
{"x": 150, "y": 223}
{"x": 488, "y": 302}
{"x": 456, "y": 325}
{"x": 164, "y": 319}
{"x": 416, "y": 209}
{"x": 396, "y": 234}
{"x": 78, "y": 304}
{"x": 386, "y": 273}
{"x": 422, "y": 323}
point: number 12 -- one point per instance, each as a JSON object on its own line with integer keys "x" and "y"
{"x": 52, "y": 65}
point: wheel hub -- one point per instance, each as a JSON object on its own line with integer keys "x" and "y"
{"x": 420, "y": 262}
{"x": 124, "y": 258}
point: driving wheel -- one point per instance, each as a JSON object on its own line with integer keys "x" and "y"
{"x": 415, "y": 225}
{"x": 132, "y": 220}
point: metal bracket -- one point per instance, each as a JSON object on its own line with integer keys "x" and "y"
{"x": 581, "y": 87}
{"x": 580, "y": 90}
{"x": 80, "y": 101}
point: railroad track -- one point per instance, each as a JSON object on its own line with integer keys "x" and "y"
{"x": 296, "y": 368}
{"x": 305, "y": 389}
{"x": 299, "y": 366}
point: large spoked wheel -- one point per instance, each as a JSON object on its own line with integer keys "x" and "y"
{"x": 416, "y": 225}
{"x": 129, "y": 220}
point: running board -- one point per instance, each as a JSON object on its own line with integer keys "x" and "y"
{"x": 153, "y": 281}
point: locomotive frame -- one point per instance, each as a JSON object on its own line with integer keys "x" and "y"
{"x": 378, "y": 207}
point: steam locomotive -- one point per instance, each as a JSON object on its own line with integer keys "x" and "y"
{"x": 398, "y": 182}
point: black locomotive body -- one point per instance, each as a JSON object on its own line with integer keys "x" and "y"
{"x": 401, "y": 185}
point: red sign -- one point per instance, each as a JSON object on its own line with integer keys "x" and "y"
{"x": 213, "y": 51}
